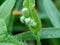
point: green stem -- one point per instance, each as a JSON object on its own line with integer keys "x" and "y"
{"x": 38, "y": 40}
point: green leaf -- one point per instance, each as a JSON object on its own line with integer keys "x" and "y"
{"x": 7, "y": 43}
{"x": 11, "y": 39}
{"x": 3, "y": 27}
{"x": 52, "y": 12}
{"x": 5, "y": 11}
{"x": 18, "y": 5}
{"x": 21, "y": 43}
{"x": 45, "y": 33}
{"x": 6, "y": 8}
{"x": 3, "y": 30}
{"x": 25, "y": 36}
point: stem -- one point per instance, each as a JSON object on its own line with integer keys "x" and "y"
{"x": 38, "y": 40}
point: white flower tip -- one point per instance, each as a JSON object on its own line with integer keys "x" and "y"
{"x": 27, "y": 20}
{"x": 22, "y": 18}
{"x": 24, "y": 9}
{"x": 33, "y": 23}
{"x": 30, "y": 22}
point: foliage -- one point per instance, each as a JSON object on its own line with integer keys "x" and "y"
{"x": 29, "y": 22}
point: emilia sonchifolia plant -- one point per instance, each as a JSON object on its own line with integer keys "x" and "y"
{"x": 30, "y": 18}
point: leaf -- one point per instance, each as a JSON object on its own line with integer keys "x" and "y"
{"x": 6, "y": 8}
{"x": 3, "y": 43}
{"x": 7, "y": 44}
{"x": 11, "y": 39}
{"x": 45, "y": 33}
{"x": 3, "y": 30}
{"x": 3, "y": 27}
{"x": 18, "y": 5}
{"x": 5, "y": 11}
{"x": 11, "y": 43}
{"x": 25, "y": 36}
{"x": 52, "y": 12}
